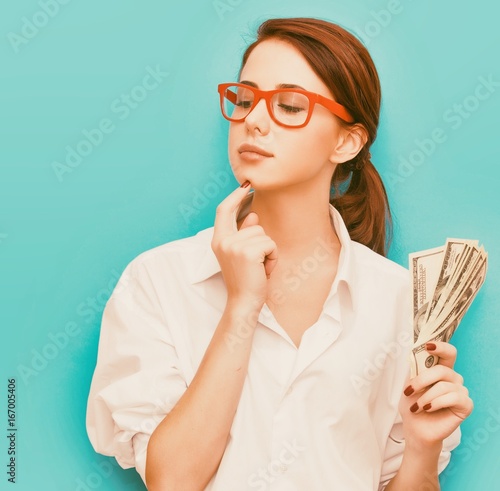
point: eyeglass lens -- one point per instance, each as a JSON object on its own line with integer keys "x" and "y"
{"x": 290, "y": 108}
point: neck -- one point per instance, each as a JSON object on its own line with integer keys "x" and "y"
{"x": 297, "y": 218}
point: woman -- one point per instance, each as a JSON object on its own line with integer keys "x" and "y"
{"x": 269, "y": 351}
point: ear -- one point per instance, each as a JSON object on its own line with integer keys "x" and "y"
{"x": 349, "y": 143}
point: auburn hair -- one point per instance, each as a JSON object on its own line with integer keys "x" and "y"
{"x": 343, "y": 63}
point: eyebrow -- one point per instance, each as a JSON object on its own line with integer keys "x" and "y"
{"x": 279, "y": 86}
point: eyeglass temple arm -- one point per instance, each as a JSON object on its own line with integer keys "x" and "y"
{"x": 344, "y": 114}
{"x": 230, "y": 95}
{"x": 337, "y": 109}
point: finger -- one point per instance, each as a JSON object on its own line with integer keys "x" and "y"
{"x": 457, "y": 402}
{"x": 252, "y": 246}
{"x": 446, "y": 352}
{"x": 271, "y": 257}
{"x": 251, "y": 219}
{"x": 262, "y": 247}
{"x": 225, "y": 216}
{"x": 438, "y": 390}
{"x": 431, "y": 376}
{"x": 271, "y": 260}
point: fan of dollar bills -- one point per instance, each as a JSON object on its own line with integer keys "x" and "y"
{"x": 445, "y": 281}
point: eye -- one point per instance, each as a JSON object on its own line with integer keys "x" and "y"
{"x": 244, "y": 98}
{"x": 244, "y": 104}
{"x": 291, "y": 103}
{"x": 290, "y": 109}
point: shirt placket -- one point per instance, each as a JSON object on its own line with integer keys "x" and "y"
{"x": 286, "y": 446}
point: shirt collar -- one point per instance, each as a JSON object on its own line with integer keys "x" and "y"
{"x": 208, "y": 265}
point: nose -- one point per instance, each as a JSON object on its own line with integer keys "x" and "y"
{"x": 258, "y": 119}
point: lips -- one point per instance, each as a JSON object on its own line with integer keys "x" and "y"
{"x": 246, "y": 147}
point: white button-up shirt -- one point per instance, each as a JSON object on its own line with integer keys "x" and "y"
{"x": 320, "y": 417}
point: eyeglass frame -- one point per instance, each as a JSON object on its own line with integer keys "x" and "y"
{"x": 334, "y": 107}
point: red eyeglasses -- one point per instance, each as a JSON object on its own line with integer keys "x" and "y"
{"x": 291, "y": 108}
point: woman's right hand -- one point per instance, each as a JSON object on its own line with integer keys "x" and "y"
{"x": 246, "y": 256}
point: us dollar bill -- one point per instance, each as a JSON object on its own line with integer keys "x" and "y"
{"x": 445, "y": 281}
{"x": 452, "y": 254}
{"x": 425, "y": 267}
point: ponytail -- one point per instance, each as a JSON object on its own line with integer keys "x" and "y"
{"x": 364, "y": 206}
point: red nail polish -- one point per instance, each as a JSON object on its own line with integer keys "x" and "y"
{"x": 427, "y": 406}
{"x": 430, "y": 346}
{"x": 409, "y": 391}
{"x": 414, "y": 408}
{"x": 245, "y": 184}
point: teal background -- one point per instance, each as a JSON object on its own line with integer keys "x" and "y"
{"x": 63, "y": 243}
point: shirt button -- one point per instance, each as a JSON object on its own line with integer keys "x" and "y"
{"x": 283, "y": 468}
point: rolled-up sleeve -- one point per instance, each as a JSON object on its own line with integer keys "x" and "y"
{"x": 137, "y": 380}
{"x": 395, "y": 447}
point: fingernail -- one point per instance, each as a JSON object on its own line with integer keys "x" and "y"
{"x": 427, "y": 406}
{"x": 409, "y": 391}
{"x": 430, "y": 346}
{"x": 245, "y": 184}
{"x": 414, "y": 408}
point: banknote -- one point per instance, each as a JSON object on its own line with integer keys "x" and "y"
{"x": 425, "y": 267}
{"x": 445, "y": 281}
{"x": 458, "y": 258}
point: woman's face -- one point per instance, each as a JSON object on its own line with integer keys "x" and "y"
{"x": 298, "y": 154}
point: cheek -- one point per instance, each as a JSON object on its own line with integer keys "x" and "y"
{"x": 234, "y": 139}
{"x": 313, "y": 145}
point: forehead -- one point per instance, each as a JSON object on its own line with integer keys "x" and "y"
{"x": 275, "y": 61}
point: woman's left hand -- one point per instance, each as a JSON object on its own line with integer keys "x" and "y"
{"x": 436, "y": 401}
